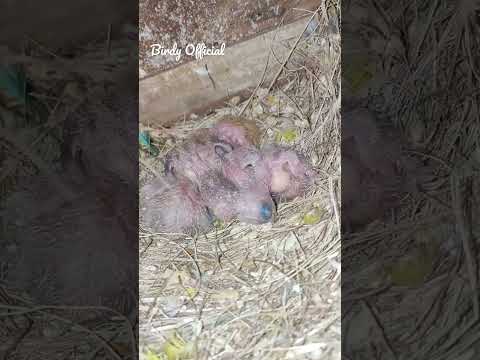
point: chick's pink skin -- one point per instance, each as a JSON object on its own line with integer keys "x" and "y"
{"x": 173, "y": 207}
{"x": 290, "y": 175}
{"x": 197, "y": 155}
{"x": 244, "y": 206}
{"x": 246, "y": 168}
{"x": 229, "y": 171}
{"x": 237, "y": 131}
{"x": 237, "y": 189}
{"x": 235, "y": 192}
{"x": 194, "y": 159}
{"x": 233, "y": 135}
{"x": 248, "y": 206}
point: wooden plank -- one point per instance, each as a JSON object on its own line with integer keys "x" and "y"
{"x": 167, "y": 22}
{"x": 189, "y": 88}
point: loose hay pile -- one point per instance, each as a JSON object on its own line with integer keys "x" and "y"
{"x": 257, "y": 291}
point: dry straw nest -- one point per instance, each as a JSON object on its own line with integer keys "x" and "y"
{"x": 31, "y": 125}
{"x": 258, "y": 291}
{"x": 410, "y": 282}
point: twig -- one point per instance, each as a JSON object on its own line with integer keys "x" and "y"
{"x": 280, "y": 70}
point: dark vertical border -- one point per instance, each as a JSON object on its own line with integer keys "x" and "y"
{"x": 410, "y": 279}
{"x": 69, "y": 183}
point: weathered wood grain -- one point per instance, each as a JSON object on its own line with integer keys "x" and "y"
{"x": 210, "y": 21}
{"x": 189, "y": 88}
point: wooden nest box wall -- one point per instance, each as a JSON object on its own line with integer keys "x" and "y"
{"x": 255, "y": 33}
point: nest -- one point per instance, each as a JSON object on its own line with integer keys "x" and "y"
{"x": 408, "y": 279}
{"x": 46, "y": 88}
{"x": 257, "y": 291}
